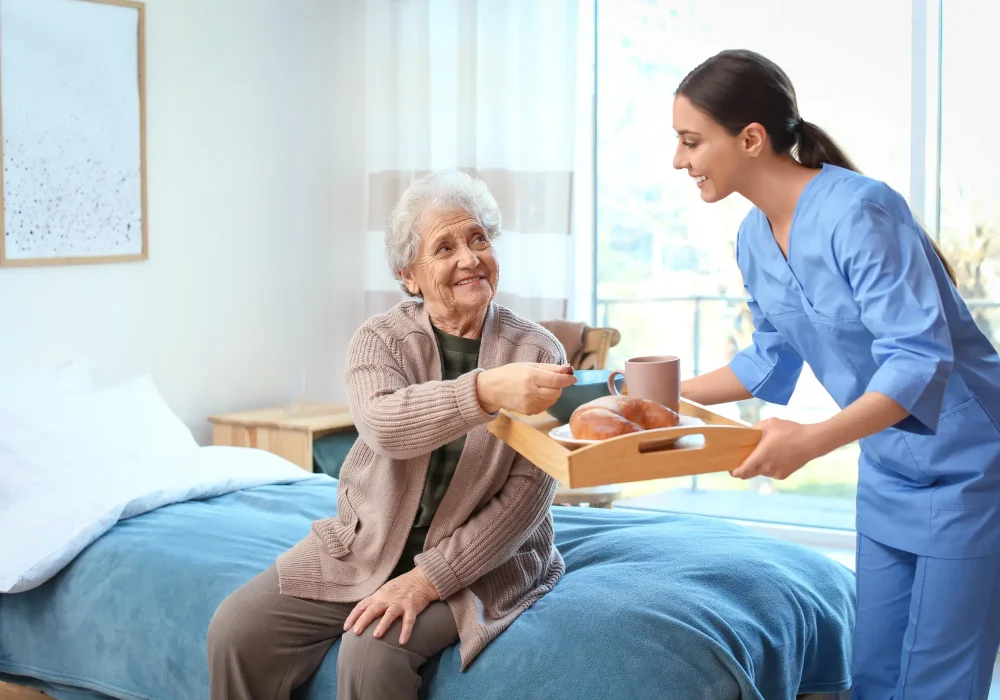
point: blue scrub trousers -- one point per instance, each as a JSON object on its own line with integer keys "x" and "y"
{"x": 926, "y": 628}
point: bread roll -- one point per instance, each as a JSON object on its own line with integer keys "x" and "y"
{"x": 611, "y": 416}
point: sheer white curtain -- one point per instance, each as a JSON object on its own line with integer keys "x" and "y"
{"x": 488, "y": 87}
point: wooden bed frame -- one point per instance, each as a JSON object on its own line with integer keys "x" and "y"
{"x": 20, "y": 692}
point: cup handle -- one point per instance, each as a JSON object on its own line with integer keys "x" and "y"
{"x": 611, "y": 382}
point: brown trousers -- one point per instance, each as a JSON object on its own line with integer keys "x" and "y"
{"x": 262, "y": 645}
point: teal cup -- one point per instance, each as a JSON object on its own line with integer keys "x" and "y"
{"x": 590, "y": 384}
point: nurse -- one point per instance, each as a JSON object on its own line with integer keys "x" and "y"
{"x": 841, "y": 276}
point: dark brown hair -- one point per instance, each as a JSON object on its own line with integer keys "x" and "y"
{"x": 739, "y": 87}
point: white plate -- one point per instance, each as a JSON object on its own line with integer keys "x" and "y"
{"x": 564, "y": 436}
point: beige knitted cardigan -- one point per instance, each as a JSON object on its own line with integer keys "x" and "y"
{"x": 490, "y": 550}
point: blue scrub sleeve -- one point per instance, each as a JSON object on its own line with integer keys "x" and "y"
{"x": 770, "y": 367}
{"x": 885, "y": 260}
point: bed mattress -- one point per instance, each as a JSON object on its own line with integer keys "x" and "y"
{"x": 651, "y": 603}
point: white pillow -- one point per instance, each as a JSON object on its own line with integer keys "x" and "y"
{"x": 36, "y": 456}
{"x": 135, "y": 419}
{"x": 128, "y": 419}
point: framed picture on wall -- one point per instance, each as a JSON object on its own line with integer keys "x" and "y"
{"x": 72, "y": 132}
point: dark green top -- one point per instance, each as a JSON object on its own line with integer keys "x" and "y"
{"x": 458, "y": 356}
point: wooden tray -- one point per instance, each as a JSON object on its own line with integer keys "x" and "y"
{"x": 720, "y": 445}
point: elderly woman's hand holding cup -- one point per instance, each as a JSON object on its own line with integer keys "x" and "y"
{"x": 525, "y": 387}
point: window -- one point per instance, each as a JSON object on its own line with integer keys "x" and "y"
{"x": 970, "y": 179}
{"x": 666, "y": 274}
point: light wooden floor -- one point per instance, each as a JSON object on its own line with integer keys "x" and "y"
{"x": 13, "y": 692}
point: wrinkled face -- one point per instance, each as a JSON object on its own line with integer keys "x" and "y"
{"x": 456, "y": 271}
{"x": 716, "y": 160}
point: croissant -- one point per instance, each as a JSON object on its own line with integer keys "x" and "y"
{"x": 611, "y": 416}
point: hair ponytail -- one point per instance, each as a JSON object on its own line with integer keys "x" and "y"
{"x": 944, "y": 261}
{"x": 816, "y": 147}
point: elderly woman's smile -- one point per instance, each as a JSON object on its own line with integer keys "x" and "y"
{"x": 455, "y": 270}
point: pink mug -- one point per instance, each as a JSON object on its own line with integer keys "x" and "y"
{"x": 655, "y": 377}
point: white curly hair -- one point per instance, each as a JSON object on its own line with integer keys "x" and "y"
{"x": 442, "y": 190}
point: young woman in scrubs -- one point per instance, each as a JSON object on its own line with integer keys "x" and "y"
{"x": 840, "y": 275}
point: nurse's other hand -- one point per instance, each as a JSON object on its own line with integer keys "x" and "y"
{"x": 784, "y": 448}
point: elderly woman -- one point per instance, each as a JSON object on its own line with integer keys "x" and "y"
{"x": 443, "y": 534}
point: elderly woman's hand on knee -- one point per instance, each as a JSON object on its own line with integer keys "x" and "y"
{"x": 441, "y": 531}
{"x": 405, "y": 596}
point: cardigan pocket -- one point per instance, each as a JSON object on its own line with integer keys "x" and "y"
{"x": 337, "y": 533}
{"x": 510, "y": 582}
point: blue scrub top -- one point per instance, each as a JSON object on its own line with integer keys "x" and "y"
{"x": 864, "y": 299}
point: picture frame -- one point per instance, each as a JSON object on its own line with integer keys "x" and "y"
{"x": 72, "y": 132}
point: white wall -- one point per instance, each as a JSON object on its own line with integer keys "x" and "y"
{"x": 256, "y": 174}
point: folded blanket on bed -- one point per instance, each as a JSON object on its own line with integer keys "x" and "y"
{"x": 59, "y": 513}
{"x": 651, "y": 606}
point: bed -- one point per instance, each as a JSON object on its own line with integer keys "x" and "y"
{"x": 651, "y": 603}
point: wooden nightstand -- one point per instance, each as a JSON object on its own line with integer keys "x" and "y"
{"x": 272, "y": 429}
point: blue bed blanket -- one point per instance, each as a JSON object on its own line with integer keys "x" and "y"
{"x": 651, "y": 606}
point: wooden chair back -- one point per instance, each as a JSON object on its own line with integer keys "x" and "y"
{"x": 596, "y": 344}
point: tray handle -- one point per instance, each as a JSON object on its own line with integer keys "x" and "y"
{"x": 663, "y": 453}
